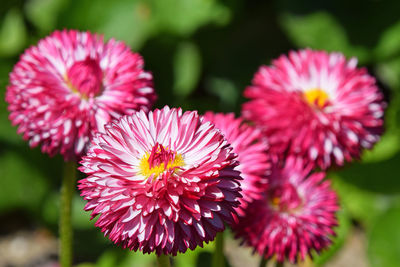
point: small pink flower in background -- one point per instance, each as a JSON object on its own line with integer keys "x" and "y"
{"x": 162, "y": 182}
{"x": 296, "y": 215}
{"x": 250, "y": 146}
{"x": 316, "y": 105}
{"x": 70, "y": 85}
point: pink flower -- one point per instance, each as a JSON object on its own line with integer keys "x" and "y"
{"x": 251, "y": 148}
{"x": 316, "y": 105}
{"x": 296, "y": 215}
{"x": 70, "y": 85}
{"x": 163, "y": 182}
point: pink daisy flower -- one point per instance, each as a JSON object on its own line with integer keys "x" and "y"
{"x": 250, "y": 146}
{"x": 70, "y": 85}
{"x": 296, "y": 215}
{"x": 316, "y": 105}
{"x": 162, "y": 182}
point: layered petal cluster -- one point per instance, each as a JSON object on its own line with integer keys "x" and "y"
{"x": 251, "y": 147}
{"x": 162, "y": 182}
{"x": 316, "y": 105}
{"x": 70, "y": 85}
{"x": 296, "y": 215}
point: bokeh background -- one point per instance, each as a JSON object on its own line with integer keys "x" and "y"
{"x": 203, "y": 53}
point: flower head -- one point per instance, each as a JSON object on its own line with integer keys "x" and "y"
{"x": 70, "y": 85}
{"x": 316, "y": 105}
{"x": 162, "y": 182}
{"x": 250, "y": 146}
{"x": 296, "y": 215}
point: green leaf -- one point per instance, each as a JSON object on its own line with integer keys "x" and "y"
{"x": 183, "y": 17}
{"x": 136, "y": 21}
{"x": 389, "y": 42}
{"x": 129, "y": 21}
{"x": 44, "y": 13}
{"x": 192, "y": 257}
{"x": 320, "y": 30}
{"x": 389, "y": 145}
{"x": 125, "y": 258}
{"x": 337, "y": 242}
{"x": 87, "y": 264}
{"x": 384, "y": 239}
{"x": 389, "y": 72}
{"x": 108, "y": 258}
{"x": 359, "y": 204}
{"x": 187, "y": 68}
{"x": 385, "y": 149}
{"x": 225, "y": 90}
{"x": 138, "y": 259}
{"x": 125, "y": 20}
{"x": 22, "y": 184}
{"x": 12, "y": 33}
{"x": 379, "y": 177}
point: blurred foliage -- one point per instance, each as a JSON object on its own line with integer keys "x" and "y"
{"x": 384, "y": 239}
{"x": 203, "y": 53}
{"x": 12, "y": 33}
{"x": 342, "y": 230}
{"x": 320, "y": 30}
{"x": 187, "y": 66}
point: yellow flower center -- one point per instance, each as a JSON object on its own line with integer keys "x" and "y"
{"x": 284, "y": 198}
{"x": 73, "y": 89}
{"x": 159, "y": 161}
{"x": 275, "y": 201}
{"x": 316, "y": 97}
{"x": 85, "y": 77}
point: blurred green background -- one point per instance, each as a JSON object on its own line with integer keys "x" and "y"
{"x": 202, "y": 54}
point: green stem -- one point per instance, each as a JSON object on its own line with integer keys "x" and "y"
{"x": 278, "y": 264}
{"x": 163, "y": 261}
{"x": 263, "y": 262}
{"x": 218, "y": 259}
{"x": 65, "y": 226}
